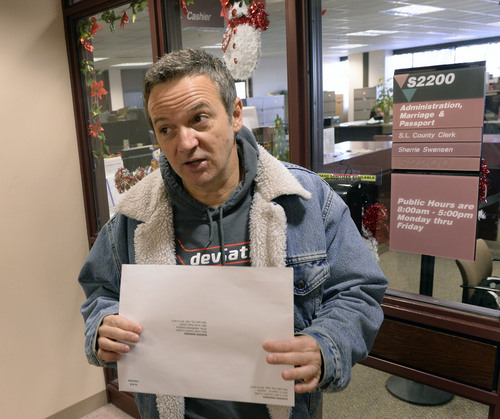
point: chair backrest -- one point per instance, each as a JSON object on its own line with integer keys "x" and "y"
{"x": 473, "y": 271}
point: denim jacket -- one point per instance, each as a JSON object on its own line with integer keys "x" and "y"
{"x": 296, "y": 220}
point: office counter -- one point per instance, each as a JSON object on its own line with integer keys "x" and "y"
{"x": 360, "y": 158}
{"x": 359, "y": 153}
{"x": 360, "y": 131}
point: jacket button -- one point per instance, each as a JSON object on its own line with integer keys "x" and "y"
{"x": 301, "y": 284}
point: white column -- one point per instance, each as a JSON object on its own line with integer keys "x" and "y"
{"x": 355, "y": 80}
{"x": 115, "y": 85}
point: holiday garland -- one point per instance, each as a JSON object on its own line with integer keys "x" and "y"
{"x": 483, "y": 181}
{"x": 374, "y": 222}
{"x": 124, "y": 179}
{"x": 87, "y": 30}
{"x": 280, "y": 146}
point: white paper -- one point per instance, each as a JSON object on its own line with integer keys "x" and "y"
{"x": 203, "y": 328}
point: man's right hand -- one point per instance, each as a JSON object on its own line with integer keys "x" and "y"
{"x": 111, "y": 335}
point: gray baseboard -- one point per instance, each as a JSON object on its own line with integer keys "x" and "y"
{"x": 83, "y": 407}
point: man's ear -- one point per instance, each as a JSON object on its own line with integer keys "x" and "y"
{"x": 237, "y": 114}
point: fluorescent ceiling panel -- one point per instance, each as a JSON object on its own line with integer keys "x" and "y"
{"x": 412, "y": 10}
{"x": 132, "y": 64}
{"x": 216, "y": 46}
{"x": 348, "y": 46}
{"x": 371, "y": 32}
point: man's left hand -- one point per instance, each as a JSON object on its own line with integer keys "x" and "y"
{"x": 303, "y": 352}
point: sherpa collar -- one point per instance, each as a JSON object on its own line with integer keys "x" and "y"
{"x": 273, "y": 180}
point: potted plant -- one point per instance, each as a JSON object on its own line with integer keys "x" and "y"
{"x": 384, "y": 98}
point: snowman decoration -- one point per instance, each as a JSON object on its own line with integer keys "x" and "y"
{"x": 242, "y": 38}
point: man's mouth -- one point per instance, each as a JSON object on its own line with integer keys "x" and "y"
{"x": 194, "y": 162}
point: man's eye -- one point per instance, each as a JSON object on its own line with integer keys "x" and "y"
{"x": 200, "y": 118}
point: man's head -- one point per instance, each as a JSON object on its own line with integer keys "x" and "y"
{"x": 190, "y": 63}
{"x": 193, "y": 109}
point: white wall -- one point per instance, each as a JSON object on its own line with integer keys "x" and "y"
{"x": 270, "y": 76}
{"x": 115, "y": 89}
{"x": 355, "y": 79}
{"x": 376, "y": 71}
{"x": 376, "y": 67}
{"x": 43, "y": 231}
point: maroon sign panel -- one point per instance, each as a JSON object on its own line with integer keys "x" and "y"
{"x": 434, "y": 215}
{"x": 203, "y": 14}
{"x": 437, "y": 129}
{"x": 445, "y": 105}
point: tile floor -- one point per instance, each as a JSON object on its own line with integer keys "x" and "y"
{"x": 108, "y": 411}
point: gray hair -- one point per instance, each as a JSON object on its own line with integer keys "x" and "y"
{"x": 191, "y": 62}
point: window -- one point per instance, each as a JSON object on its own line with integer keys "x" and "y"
{"x": 265, "y": 95}
{"x": 489, "y": 52}
{"x": 113, "y": 49}
{"x": 357, "y": 48}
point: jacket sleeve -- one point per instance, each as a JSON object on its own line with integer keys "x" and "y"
{"x": 346, "y": 321}
{"x": 100, "y": 280}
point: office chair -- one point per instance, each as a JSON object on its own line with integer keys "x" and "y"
{"x": 479, "y": 287}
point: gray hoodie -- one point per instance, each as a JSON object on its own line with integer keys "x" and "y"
{"x": 203, "y": 233}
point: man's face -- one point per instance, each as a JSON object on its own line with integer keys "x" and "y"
{"x": 196, "y": 134}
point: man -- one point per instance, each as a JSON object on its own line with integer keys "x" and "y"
{"x": 216, "y": 189}
{"x": 377, "y": 113}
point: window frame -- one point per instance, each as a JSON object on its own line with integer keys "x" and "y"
{"x": 302, "y": 42}
{"x": 72, "y": 14}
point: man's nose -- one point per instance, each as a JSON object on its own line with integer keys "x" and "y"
{"x": 187, "y": 139}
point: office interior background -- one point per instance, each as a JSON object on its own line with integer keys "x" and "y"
{"x": 44, "y": 229}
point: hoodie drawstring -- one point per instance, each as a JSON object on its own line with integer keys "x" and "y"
{"x": 221, "y": 233}
{"x": 221, "y": 239}
{"x": 210, "y": 228}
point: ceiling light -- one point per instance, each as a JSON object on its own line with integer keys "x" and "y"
{"x": 348, "y": 46}
{"x": 371, "y": 32}
{"x": 216, "y": 46}
{"x": 457, "y": 37}
{"x": 97, "y": 59}
{"x": 132, "y": 64}
{"x": 412, "y": 10}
